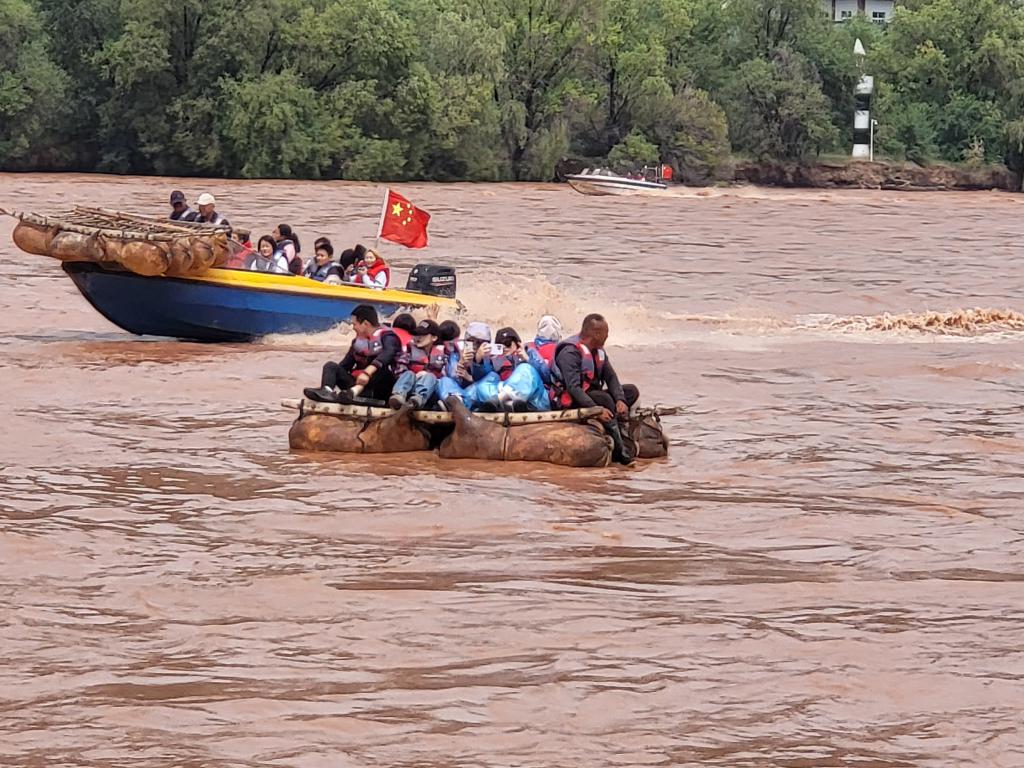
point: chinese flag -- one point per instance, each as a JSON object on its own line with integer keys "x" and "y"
{"x": 402, "y": 222}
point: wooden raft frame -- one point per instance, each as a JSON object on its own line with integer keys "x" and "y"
{"x": 364, "y": 412}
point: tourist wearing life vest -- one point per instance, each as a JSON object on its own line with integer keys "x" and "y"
{"x": 267, "y": 258}
{"x": 541, "y": 351}
{"x": 493, "y": 382}
{"x": 448, "y": 336}
{"x": 583, "y": 377}
{"x": 288, "y": 242}
{"x": 368, "y": 367}
{"x": 521, "y": 387}
{"x": 513, "y": 353}
{"x": 240, "y": 250}
{"x": 322, "y": 267}
{"x": 207, "y": 211}
{"x": 373, "y": 272}
{"x": 422, "y": 363}
{"x": 467, "y": 370}
{"x": 180, "y": 209}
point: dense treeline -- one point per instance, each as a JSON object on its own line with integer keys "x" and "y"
{"x": 493, "y": 89}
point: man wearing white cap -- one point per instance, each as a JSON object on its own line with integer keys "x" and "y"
{"x": 207, "y": 214}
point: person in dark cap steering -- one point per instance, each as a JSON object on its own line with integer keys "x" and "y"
{"x": 180, "y": 210}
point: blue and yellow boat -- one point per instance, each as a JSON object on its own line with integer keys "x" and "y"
{"x": 229, "y": 304}
{"x": 159, "y": 278}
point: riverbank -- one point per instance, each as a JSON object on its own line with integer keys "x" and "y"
{"x": 877, "y": 175}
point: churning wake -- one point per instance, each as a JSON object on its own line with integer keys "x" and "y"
{"x": 509, "y": 304}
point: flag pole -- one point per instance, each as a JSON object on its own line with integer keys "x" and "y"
{"x": 383, "y": 212}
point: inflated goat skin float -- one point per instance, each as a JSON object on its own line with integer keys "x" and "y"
{"x": 396, "y": 433}
{"x": 139, "y": 244}
{"x": 566, "y": 443}
{"x": 570, "y": 438}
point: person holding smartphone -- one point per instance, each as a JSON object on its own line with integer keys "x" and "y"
{"x": 470, "y": 367}
{"x": 372, "y": 271}
{"x": 521, "y": 386}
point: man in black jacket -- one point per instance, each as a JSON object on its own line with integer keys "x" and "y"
{"x": 368, "y": 366}
{"x": 180, "y": 210}
{"x": 584, "y": 377}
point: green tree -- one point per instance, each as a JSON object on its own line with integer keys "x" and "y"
{"x": 276, "y": 127}
{"x": 778, "y": 109}
{"x": 628, "y": 65}
{"x": 632, "y": 151}
{"x": 953, "y": 73}
{"x": 906, "y": 129}
{"x": 457, "y": 64}
{"x": 698, "y": 148}
{"x": 31, "y": 86}
{"x": 164, "y": 76}
{"x": 541, "y": 45}
{"x": 77, "y": 29}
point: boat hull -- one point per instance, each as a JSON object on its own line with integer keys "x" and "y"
{"x": 227, "y": 307}
{"x": 609, "y": 185}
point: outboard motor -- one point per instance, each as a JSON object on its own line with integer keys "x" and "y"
{"x": 432, "y": 280}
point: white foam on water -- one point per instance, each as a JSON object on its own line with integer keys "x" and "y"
{"x": 521, "y": 303}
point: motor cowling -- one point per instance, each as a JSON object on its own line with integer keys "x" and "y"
{"x": 432, "y": 280}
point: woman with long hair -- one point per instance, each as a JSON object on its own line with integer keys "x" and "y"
{"x": 372, "y": 271}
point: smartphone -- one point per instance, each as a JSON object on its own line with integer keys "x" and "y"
{"x": 497, "y": 349}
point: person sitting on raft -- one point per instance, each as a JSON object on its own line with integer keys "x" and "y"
{"x": 404, "y": 321}
{"x": 541, "y": 350}
{"x": 288, "y": 242}
{"x": 521, "y": 386}
{"x": 322, "y": 267}
{"x": 268, "y": 257}
{"x": 422, "y": 363}
{"x": 459, "y": 376}
{"x": 486, "y": 381}
{"x": 448, "y": 336}
{"x": 580, "y": 374}
{"x": 369, "y": 365}
{"x": 372, "y": 272}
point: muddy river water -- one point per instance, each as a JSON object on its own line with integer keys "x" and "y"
{"x": 826, "y": 571}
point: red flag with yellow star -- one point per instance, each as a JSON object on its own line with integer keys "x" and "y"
{"x": 402, "y": 222}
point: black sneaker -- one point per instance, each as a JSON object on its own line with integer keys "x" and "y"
{"x": 415, "y": 402}
{"x": 344, "y": 397}
{"x": 395, "y": 402}
{"x": 320, "y": 394}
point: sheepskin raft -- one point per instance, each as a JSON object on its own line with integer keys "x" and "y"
{"x": 139, "y": 244}
{"x": 570, "y": 438}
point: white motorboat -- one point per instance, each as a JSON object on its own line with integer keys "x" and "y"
{"x": 604, "y": 182}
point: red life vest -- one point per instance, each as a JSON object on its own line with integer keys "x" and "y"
{"x": 546, "y": 350}
{"x": 417, "y": 359}
{"x": 503, "y": 365}
{"x": 365, "y": 351}
{"x": 591, "y": 368}
{"x": 378, "y": 267}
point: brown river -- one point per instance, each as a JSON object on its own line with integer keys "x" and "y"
{"x": 826, "y": 571}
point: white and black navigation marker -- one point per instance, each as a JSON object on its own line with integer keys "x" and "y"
{"x": 862, "y": 128}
